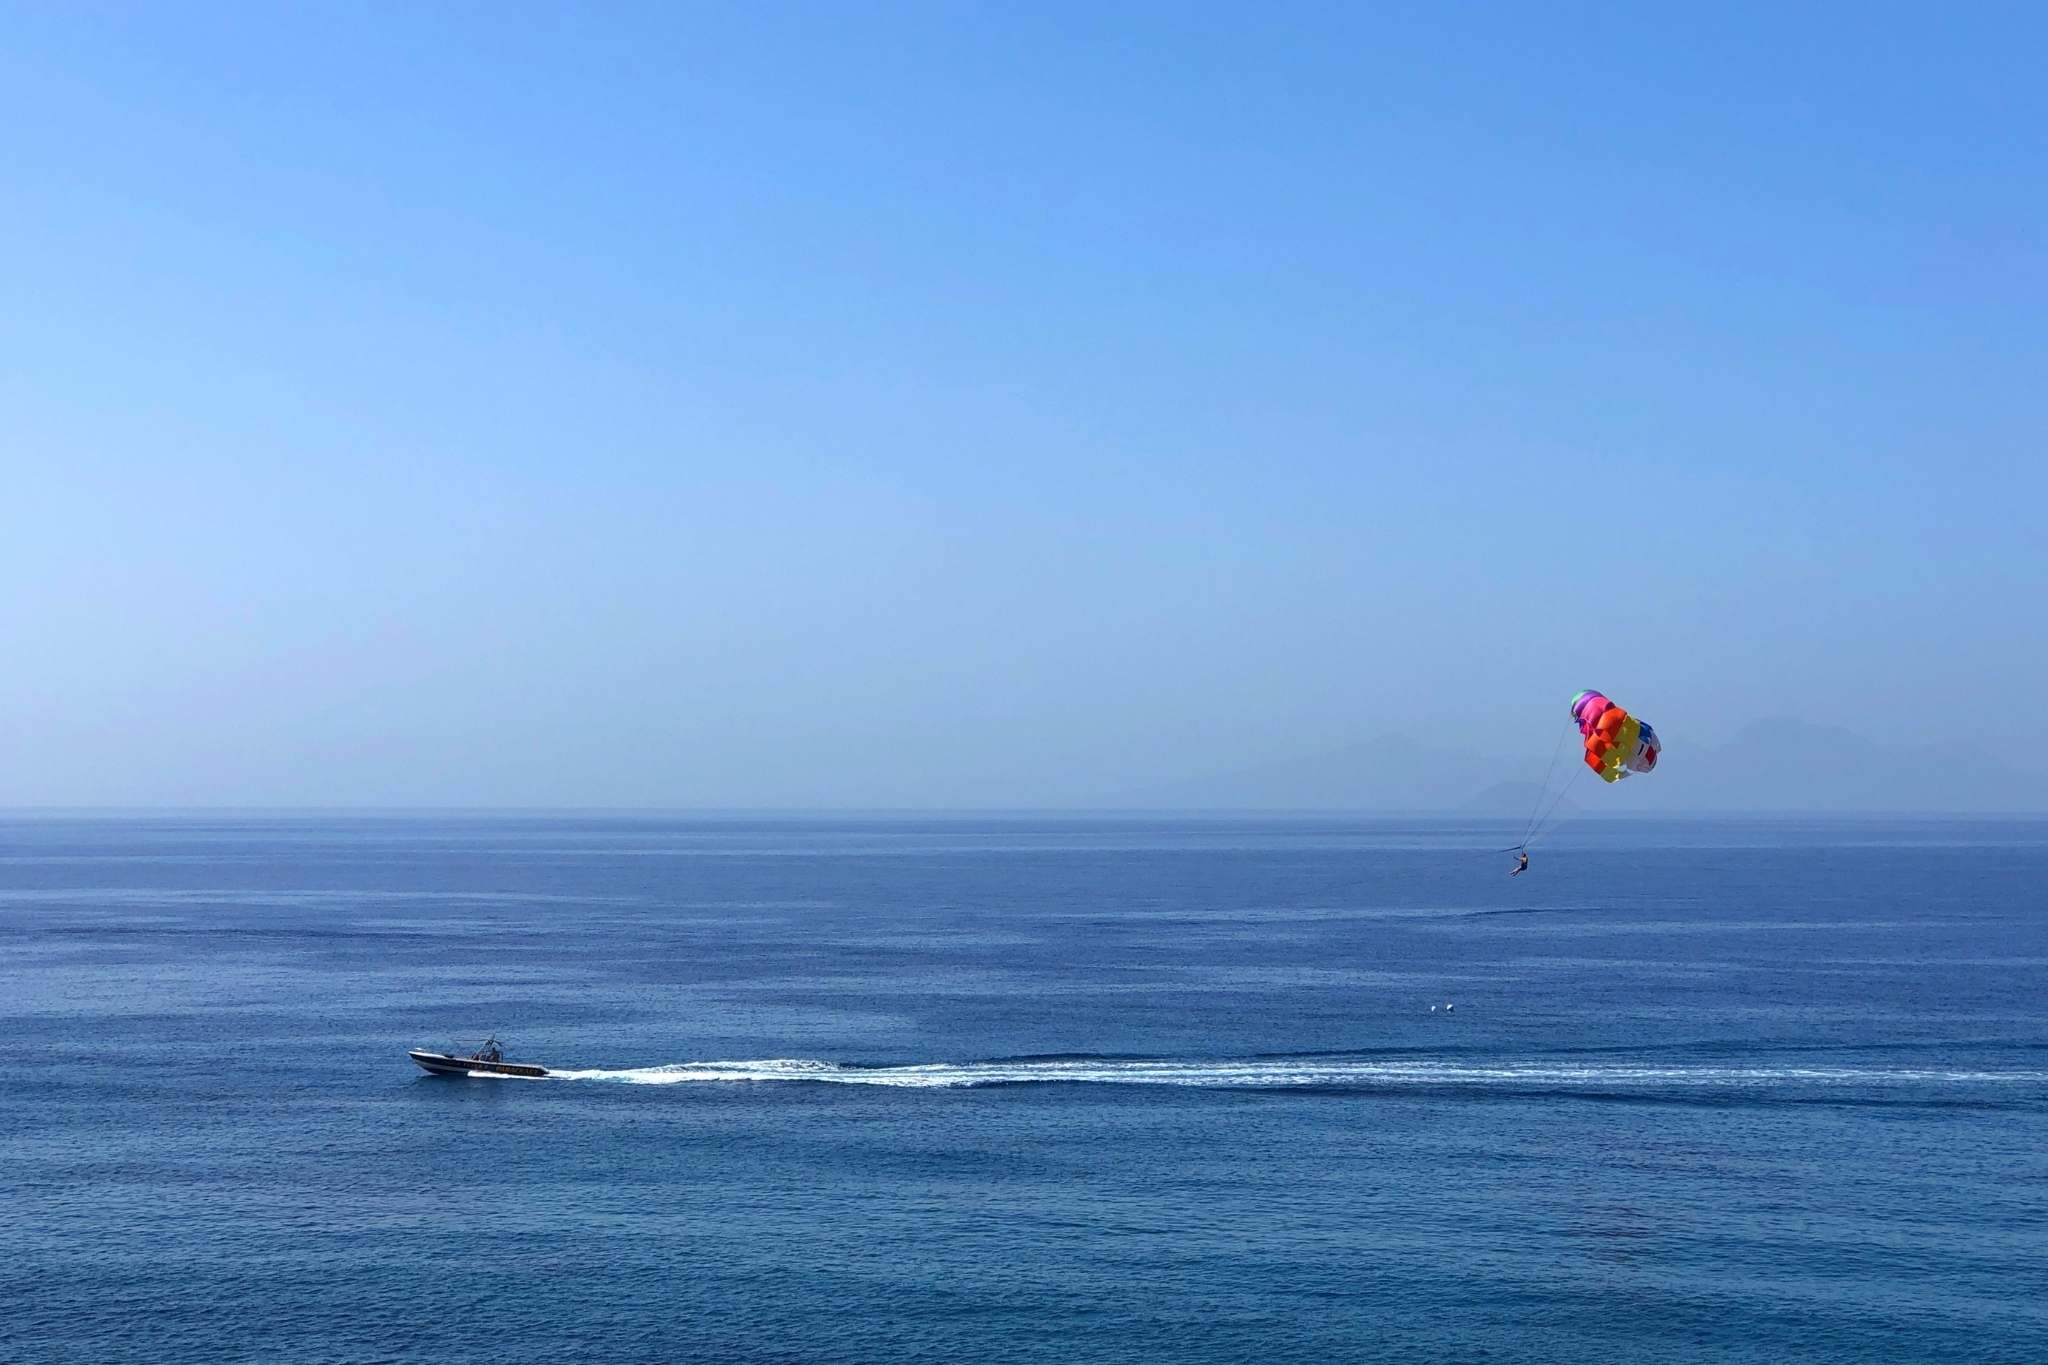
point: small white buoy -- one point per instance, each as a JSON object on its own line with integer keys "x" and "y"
{"x": 1432, "y": 1009}
{"x": 1449, "y": 1008}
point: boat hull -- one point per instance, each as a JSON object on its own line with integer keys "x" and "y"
{"x": 442, "y": 1064}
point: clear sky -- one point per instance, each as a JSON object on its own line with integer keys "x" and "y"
{"x": 893, "y": 404}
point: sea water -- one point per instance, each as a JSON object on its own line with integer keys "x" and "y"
{"x": 1023, "y": 1090}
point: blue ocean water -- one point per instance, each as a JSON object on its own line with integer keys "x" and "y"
{"x": 1023, "y": 1090}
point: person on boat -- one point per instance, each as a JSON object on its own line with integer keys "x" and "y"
{"x": 1521, "y": 863}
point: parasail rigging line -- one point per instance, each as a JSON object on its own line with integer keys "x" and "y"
{"x": 1529, "y": 830}
{"x": 1546, "y": 822}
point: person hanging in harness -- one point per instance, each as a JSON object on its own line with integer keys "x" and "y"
{"x": 1521, "y": 863}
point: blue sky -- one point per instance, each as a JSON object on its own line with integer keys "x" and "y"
{"x": 1001, "y": 405}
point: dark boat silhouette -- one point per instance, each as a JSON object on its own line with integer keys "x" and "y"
{"x": 489, "y": 1060}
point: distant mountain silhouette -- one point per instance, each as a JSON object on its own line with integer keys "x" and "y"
{"x": 1519, "y": 798}
{"x": 1782, "y": 764}
{"x": 1789, "y": 764}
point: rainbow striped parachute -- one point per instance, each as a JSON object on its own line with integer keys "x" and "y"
{"x": 1617, "y": 744}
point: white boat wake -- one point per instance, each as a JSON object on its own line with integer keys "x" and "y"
{"x": 1294, "y": 1073}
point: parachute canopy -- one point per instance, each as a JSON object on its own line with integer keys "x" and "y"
{"x": 1617, "y": 744}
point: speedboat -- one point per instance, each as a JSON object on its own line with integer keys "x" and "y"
{"x": 488, "y": 1060}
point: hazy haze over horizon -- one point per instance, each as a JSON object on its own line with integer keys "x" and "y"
{"x": 933, "y": 406}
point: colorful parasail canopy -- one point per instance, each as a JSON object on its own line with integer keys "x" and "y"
{"x": 1617, "y": 744}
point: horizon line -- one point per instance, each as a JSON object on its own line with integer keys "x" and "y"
{"x": 1011, "y": 812}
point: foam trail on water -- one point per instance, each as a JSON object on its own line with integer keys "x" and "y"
{"x": 1285, "y": 1073}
